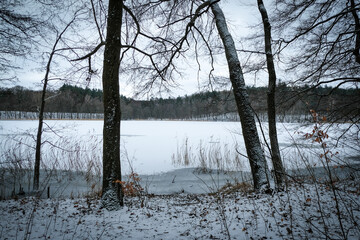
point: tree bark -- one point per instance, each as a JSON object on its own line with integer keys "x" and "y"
{"x": 112, "y": 197}
{"x": 253, "y": 147}
{"x": 279, "y": 171}
{"x": 42, "y": 108}
{"x": 39, "y": 131}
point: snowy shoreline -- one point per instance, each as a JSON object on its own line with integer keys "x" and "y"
{"x": 68, "y": 184}
{"x": 297, "y": 213}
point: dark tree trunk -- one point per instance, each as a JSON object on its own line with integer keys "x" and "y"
{"x": 41, "y": 112}
{"x": 275, "y": 152}
{"x": 40, "y": 129}
{"x": 112, "y": 197}
{"x": 253, "y": 147}
{"x": 357, "y": 32}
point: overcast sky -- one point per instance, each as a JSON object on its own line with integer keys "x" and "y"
{"x": 240, "y": 17}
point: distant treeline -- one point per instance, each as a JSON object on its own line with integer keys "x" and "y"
{"x": 293, "y": 104}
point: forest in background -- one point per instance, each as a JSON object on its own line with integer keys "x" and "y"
{"x": 292, "y": 104}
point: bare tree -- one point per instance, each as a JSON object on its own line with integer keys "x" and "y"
{"x": 112, "y": 197}
{"x": 323, "y": 39}
{"x": 22, "y": 32}
{"x": 184, "y": 22}
{"x": 253, "y": 147}
{"x": 152, "y": 53}
{"x": 278, "y": 167}
{"x": 54, "y": 50}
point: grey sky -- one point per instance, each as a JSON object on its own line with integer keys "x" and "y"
{"x": 240, "y": 17}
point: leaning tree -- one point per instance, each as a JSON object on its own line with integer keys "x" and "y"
{"x": 253, "y": 146}
{"x": 185, "y": 27}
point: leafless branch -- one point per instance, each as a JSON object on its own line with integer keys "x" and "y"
{"x": 90, "y": 53}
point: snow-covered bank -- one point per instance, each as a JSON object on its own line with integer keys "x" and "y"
{"x": 69, "y": 184}
{"x": 302, "y": 212}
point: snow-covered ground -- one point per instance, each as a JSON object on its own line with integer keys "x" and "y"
{"x": 302, "y": 212}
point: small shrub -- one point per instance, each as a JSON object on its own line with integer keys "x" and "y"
{"x": 131, "y": 188}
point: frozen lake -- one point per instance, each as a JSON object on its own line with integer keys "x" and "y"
{"x": 153, "y": 146}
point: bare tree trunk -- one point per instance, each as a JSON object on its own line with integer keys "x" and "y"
{"x": 275, "y": 152}
{"x": 112, "y": 197}
{"x": 253, "y": 147}
{"x": 42, "y": 108}
{"x": 40, "y": 129}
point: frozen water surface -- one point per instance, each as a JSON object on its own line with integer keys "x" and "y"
{"x": 152, "y": 145}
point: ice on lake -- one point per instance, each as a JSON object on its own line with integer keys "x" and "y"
{"x": 152, "y": 146}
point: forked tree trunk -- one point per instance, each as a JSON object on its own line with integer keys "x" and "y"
{"x": 112, "y": 197}
{"x": 252, "y": 142}
{"x": 279, "y": 171}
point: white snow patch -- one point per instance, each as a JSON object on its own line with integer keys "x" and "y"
{"x": 294, "y": 214}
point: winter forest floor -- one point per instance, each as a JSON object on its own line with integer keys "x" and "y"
{"x": 305, "y": 210}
